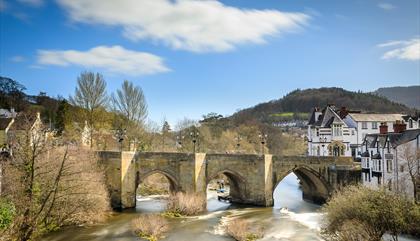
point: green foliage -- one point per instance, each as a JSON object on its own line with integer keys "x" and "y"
{"x": 7, "y": 213}
{"x": 375, "y": 212}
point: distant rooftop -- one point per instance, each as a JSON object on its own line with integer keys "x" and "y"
{"x": 376, "y": 117}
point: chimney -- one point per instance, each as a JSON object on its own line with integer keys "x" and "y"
{"x": 343, "y": 112}
{"x": 383, "y": 128}
{"x": 399, "y": 126}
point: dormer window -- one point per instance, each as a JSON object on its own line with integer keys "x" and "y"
{"x": 337, "y": 130}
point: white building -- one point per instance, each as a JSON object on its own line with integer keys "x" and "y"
{"x": 335, "y": 129}
{"x": 389, "y": 157}
{"x": 328, "y": 134}
{"x": 368, "y": 124}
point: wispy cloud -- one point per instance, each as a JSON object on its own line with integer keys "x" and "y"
{"x": 386, "y": 6}
{"x": 110, "y": 58}
{"x": 406, "y": 50}
{"x": 32, "y": 3}
{"x": 17, "y": 59}
{"x": 193, "y": 25}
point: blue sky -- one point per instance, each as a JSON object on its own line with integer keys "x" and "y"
{"x": 195, "y": 57}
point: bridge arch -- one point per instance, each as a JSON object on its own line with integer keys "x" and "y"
{"x": 238, "y": 184}
{"x": 314, "y": 186}
{"x": 174, "y": 185}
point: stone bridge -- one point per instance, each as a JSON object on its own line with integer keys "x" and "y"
{"x": 252, "y": 177}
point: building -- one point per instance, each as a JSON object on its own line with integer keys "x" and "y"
{"x": 365, "y": 124}
{"x": 328, "y": 134}
{"x": 341, "y": 132}
{"x": 391, "y": 159}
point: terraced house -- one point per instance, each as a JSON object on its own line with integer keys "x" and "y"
{"x": 391, "y": 159}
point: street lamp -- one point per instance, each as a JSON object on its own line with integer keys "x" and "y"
{"x": 119, "y": 135}
{"x": 263, "y": 139}
{"x": 179, "y": 140}
{"x": 194, "y": 135}
{"x": 323, "y": 139}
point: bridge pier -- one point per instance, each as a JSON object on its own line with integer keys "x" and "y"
{"x": 253, "y": 178}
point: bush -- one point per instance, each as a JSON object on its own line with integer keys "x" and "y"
{"x": 370, "y": 214}
{"x": 7, "y": 213}
{"x": 242, "y": 230}
{"x": 186, "y": 204}
{"x": 150, "y": 226}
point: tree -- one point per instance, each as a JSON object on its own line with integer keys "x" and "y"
{"x": 372, "y": 212}
{"x": 131, "y": 103}
{"x": 11, "y": 94}
{"x": 90, "y": 94}
{"x": 49, "y": 184}
{"x": 166, "y": 128}
{"x": 411, "y": 155}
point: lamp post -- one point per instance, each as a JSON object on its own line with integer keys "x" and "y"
{"x": 263, "y": 139}
{"x": 238, "y": 139}
{"x": 119, "y": 135}
{"x": 179, "y": 140}
{"x": 323, "y": 140}
{"x": 194, "y": 135}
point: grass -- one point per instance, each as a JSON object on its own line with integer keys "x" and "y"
{"x": 243, "y": 230}
{"x": 151, "y": 227}
{"x": 185, "y": 204}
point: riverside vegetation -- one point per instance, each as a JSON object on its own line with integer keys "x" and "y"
{"x": 359, "y": 213}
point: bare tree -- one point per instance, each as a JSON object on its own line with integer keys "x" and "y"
{"x": 130, "y": 102}
{"x": 412, "y": 156}
{"x": 50, "y": 184}
{"x": 90, "y": 94}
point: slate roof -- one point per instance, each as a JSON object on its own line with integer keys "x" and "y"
{"x": 376, "y": 117}
{"x": 394, "y": 139}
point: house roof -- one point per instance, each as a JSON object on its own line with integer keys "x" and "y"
{"x": 376, "y": 117}
{"x": 394, "y": 139}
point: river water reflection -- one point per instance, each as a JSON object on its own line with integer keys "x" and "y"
{"x": 299, "y": 222}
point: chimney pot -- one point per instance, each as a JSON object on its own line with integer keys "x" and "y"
{"x": 383, "y": 128}
{"x": 399, "y": 126}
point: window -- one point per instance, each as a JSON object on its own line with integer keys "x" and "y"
{"x": 379, "y": 165}
{"x": 389, "y": 165}
{"x": 374, "y": 125}
{"x": 337, "y": 130}
{"x": 379, "y": 180}
{"x": 364, "y": 125}
{"x": 317, "y": 132}
{"x": 410, "y": 124}
{"x": 367, "y": 162}
{"x": 352, "y": 132}
{"x": 402, "y": 168}
{"x": 390, "y": 185}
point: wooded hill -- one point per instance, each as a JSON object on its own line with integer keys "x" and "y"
{"x": 408, "y": 95}
{"x": 302, "y": 101}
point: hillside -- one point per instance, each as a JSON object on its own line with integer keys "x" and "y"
{"x": 302, "y": 101}
{"x": 409, "y": 95}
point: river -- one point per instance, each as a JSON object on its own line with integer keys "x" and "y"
{"x": 300, "y": 222}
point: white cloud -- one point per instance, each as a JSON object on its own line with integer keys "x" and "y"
{"x": 33, "y": 3}
{"x": 17, "y": 59}
{"x": 386, "y": 6}
{"x": 193, "y": 25}
{"x": 113, "y": 59}
{"x": 407, "y": 50}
